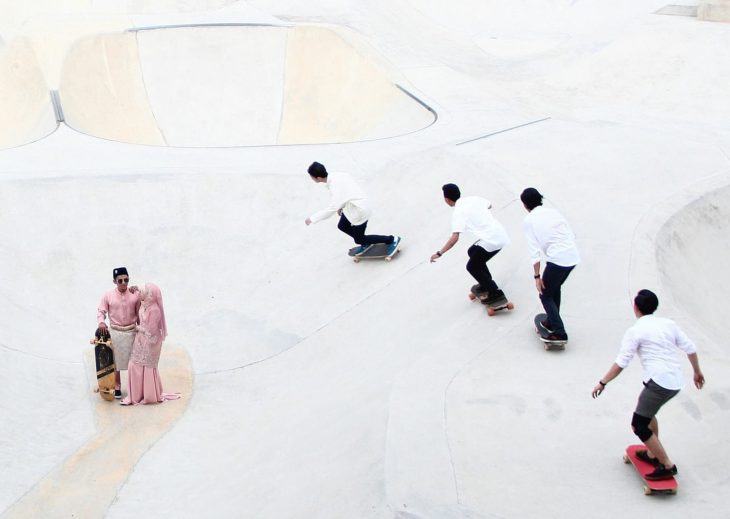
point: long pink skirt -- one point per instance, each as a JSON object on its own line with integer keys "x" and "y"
{"x": 145, "y": 386}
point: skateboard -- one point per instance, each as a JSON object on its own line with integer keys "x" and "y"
{"x": 549, "y": 345}
{"x": 664, "y": 486}
{"x": 104, "y": 356}
{"x": 377, "y": 251}
{"x": 492, "y": 307}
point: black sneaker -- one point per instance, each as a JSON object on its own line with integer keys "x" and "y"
{"x": 644, "y": 456}
{"x": 546, "y": 326}
{"x": 117, "y": 393}
{"x": 555, "y": 337}
{"x": 496, "y": 296}
{"x": 662, "y": 472}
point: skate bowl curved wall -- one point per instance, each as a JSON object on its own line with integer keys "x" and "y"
{"x": 692, "y": 257}
{"x": 26, "y": 110}
{"x": 220, "y": 86}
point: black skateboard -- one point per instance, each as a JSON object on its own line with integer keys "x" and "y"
{"x": 377, "y": 251}
{"x": 105, "y": 367}
{"x": 492, "y": 306}
{"x": 549, "y": 345}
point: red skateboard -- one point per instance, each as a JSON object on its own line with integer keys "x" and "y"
{"x": 665, "y": 486}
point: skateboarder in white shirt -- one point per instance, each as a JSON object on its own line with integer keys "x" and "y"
{"x": 655, "y": 340}
{"x": 348, "y": 201}
{"x": 472, "y": 214}
{"x": 549, "y": 235}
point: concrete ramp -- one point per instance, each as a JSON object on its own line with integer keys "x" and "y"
{"x": 232, "y": 86}
{"x": 26, "y": 110}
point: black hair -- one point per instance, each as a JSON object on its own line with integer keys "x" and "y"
{"x": 531, "y": 197}
{"x": 646, "y": 301}
{"x": 317, "y": 170}
{"x": 451, "y": 191}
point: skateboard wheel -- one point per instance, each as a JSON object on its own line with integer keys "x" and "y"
{"x": 356, "y": 259}
{"x": 491, "y": 312}
{"x": 472, "y": 297}
{"x": 626, "y": 459}
{"x": 647, "y": 491}
{"x": 510, "y": 306}
{"x": 96, "y": 390}
{"x": 389, "y": 258}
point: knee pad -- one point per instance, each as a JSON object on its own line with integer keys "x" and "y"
{"x": 640, "y": 425}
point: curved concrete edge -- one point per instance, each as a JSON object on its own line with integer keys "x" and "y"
{"x": 88, "y": 481}
{"x": 319, "y": 87}
{"x": 644, "y": 267}
{"x": 102, "y": 82}
{"x": 714, "y": 10}
{"x": 25, "y": 106}
{"x": 691, "y": 243}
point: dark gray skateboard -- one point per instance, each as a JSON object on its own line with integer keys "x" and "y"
{"x": 549, "y": 345}
{"x": 377, "y": 251}
{"x": 493, "y": 306}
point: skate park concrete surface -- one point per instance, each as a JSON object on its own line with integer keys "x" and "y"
{"x": 173, "y": 137}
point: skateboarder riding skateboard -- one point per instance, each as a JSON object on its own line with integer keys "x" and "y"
{"x": 655, "y": 340}
{"x": 549, "y": 235}
{"x": 350, "y": 202}
{"x": 472, "y": 214}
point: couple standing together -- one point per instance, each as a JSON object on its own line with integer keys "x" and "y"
{"x": 137, "y": 328}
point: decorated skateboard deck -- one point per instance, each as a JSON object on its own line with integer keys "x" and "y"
{"x": 105, "y": 367}
{"x": 664, "y": 486}
{"x": 549, "y": 345}
{"x": 377, "y": 251}
{"x": 493, "y": 306}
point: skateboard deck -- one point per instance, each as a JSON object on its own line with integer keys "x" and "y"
{"x": 492, "y": 307}
{"x": 549, "y": 345}
{"x": 105, "y": 367}
{"x": 665, "y": 486}
{"x": 377, "y": 251}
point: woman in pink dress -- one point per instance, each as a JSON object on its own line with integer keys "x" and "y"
{"x": 145, "y": 386}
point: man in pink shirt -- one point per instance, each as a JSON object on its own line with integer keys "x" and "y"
{"x": 122, "y": 307}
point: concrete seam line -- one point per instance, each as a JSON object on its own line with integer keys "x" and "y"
{"x": 503, "y": 131}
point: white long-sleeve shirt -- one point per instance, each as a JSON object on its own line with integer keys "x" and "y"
{"x": 655, "y": 340}
{"x": 472, "y": 214}
{"x": 347, "y": 195}
{"x": 548, "y": 234}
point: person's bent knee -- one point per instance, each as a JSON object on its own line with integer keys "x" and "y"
{"x": 640, "y": 425}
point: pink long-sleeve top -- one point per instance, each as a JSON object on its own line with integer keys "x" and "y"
{"x": 121, "y": 307}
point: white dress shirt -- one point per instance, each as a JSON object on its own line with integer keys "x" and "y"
{"x": 549, "y": 234}
{"x": 655, "y": 340}
{"x": 347, "y": 195}
{"x": 472, "y": 214}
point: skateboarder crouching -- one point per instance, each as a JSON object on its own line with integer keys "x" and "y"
{"x": 655, "y": 340}
{"x": 472, "y": 214}
{"x": 349, "y": 201}
{"x": 549, "y": 235}
{"x": 122, "y": 307}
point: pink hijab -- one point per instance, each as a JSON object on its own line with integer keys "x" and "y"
{"x": 153, "y": 297}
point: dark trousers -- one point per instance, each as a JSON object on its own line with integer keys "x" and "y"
{"x": 477, "y": 267}
{"x": 357, "y": 232}
{"x": 553, "y": 278}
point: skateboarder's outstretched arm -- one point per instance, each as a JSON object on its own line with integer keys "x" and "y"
{"x": 613, "y": 372}
{"x": 449, "y": 243}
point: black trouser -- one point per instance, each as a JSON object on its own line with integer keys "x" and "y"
{"x": 477, "y": 267}
{"x": 358, "y": 232}
{"x": 553, "y": 278}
